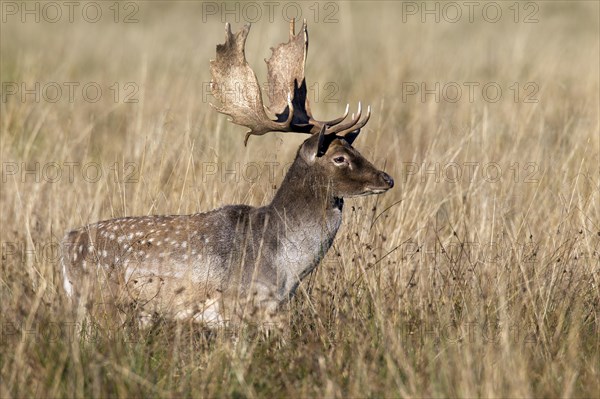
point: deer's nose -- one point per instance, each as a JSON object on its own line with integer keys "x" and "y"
{"x": 387, "y": 179}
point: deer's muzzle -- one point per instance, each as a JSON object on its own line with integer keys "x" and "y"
{"x": 387, "y": 179}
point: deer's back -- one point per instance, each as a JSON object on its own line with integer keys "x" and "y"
{"x": 177, "y": 260}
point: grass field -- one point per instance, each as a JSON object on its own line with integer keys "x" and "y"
{"x": 477, "y": 275}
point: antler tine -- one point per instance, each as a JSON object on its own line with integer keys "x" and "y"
{"x": 285, "y": 126}
{"x": 359, "y": 125}
{"x": 293, "y": 27}
{"x": 350, "y": 124}
{"x": 332, "y": 122}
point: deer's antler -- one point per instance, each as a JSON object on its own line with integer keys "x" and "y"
{"x": 235, "y": 85}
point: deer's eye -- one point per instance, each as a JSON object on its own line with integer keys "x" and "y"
{"x": 339, "y": 160}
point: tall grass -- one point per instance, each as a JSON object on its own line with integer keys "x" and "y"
{"x": 477, "y": 275}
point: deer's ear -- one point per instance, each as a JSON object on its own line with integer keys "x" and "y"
{"x": 315, "y": 146}
{"x": 350, "y": 137}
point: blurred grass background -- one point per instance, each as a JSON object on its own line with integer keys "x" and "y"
{"x": 479, "y": 284}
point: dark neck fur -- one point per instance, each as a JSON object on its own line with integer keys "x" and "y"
{"x": 304, "y": 193}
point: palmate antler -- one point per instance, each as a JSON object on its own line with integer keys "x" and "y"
{"x": 235, "y": 85}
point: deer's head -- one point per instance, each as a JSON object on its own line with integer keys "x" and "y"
{"x": 332, "y": 159}
{"x": 328, "y": 154}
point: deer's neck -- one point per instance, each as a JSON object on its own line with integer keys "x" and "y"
{"x": 307, "y": 216}
{"x": 305, "y": 194}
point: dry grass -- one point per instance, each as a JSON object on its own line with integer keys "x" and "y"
{"x": 471, "y": 285}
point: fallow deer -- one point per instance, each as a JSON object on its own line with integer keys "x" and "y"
{"x": 236, "y": 260}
